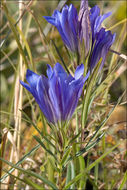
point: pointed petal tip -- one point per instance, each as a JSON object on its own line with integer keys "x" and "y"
{"x": 79, "y": 71}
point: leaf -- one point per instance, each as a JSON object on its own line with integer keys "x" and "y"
{"x": 32, "y": 184}
{"x": 40, "y": 132}
{"x": 89, "y": 146}
{"x": 79, "y": 176}
{"x": 70, "y": 174}
{"x": 26, "y": 181}
{"x": 42, "y": 144}
{"x": 30, "y": 173}
{"x": 65, "y": 156}
{"x": 82, "y": 151}
{"x": 123, "y": 181}
{"x": 75, "y": 137}
{"x": 105, "y": 82}
{"x": 82, "y": 168}
{"x": 19, "y": 162}
{"x": 106, "y": 119}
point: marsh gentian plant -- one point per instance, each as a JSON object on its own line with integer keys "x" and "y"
{"x": 58, "y": 93}
{"x": 74, "y": 29}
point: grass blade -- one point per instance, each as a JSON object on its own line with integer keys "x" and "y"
{"x": 28, "y": 172}
{"x": 20, "y": 161}
{"x": 12, "y": 22}
{"x": 79, "y": 176}
{"x": 43, "y": 146}
{"x": 123, "y": 181}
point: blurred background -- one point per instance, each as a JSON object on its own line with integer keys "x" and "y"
{"x": 41, "y": 51}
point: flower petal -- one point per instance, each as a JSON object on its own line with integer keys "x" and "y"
{"x": 45, "y": 104}
{"x": 32, "y": 78}
{"x": 104, "y": 40}
{"x": 25, "y": 85}
{"x": 99, "y": 21}
{"x": 79, "y": 71}
{"x": 51, "y": 20}
{"x": 49, "y": 71}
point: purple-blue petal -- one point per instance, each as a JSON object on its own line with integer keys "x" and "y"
{"x": 25, "y": 85}
{"x": 45, "y": 103}
{"x": 51, "y": 20}
{"x": 99, "y": 21}
{"x": 104, "y": 40}
{"x": 31, "y": 78}
{"x": 79, "y": 71}
{"x": 96, "y": 20}
{"x": 49, "y": 71}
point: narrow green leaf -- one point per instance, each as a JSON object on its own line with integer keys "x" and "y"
{"x": 82, "y": 151}
{"x": 32, "y": 184}
{"x": 70, "y": 174}
{"x": 30, "y": 173}
{"x": 89, "y": 146}
{"x": 26, "y": 181}
{"x": 40, "y": 132}
{"x": 106, "y": 119}
{"x": 75, "y": 137}
{"x": 65, "y": 157}
{"x": 123, "y": 181}
{"x": 50, "y": 168}
{"x": 20, "y": 161}
{"x": 86, "y": 100}
{"x": 42, "y": 144}
{"x": 102, "y": 157}
{"x": 79, "y": 176}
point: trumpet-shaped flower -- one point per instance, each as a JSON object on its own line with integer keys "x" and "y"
{"x": 96, "y": 20}
{"x": 104, "y": 40}
{"x": 58, "y": 93}
{"x": 66, "y": 23}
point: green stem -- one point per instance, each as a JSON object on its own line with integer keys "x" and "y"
{"x": 89, "y": 89}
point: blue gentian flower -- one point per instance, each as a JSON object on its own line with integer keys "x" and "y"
{"x": 58, "y": 93}
{"x": 96, "y": 20}
{"x": 66, "y": 23}
{"x": 104, "y": 40}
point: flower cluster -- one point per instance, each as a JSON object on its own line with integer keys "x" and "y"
{"x": 58, "y": 93}
{"x": 75, "y": 28}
